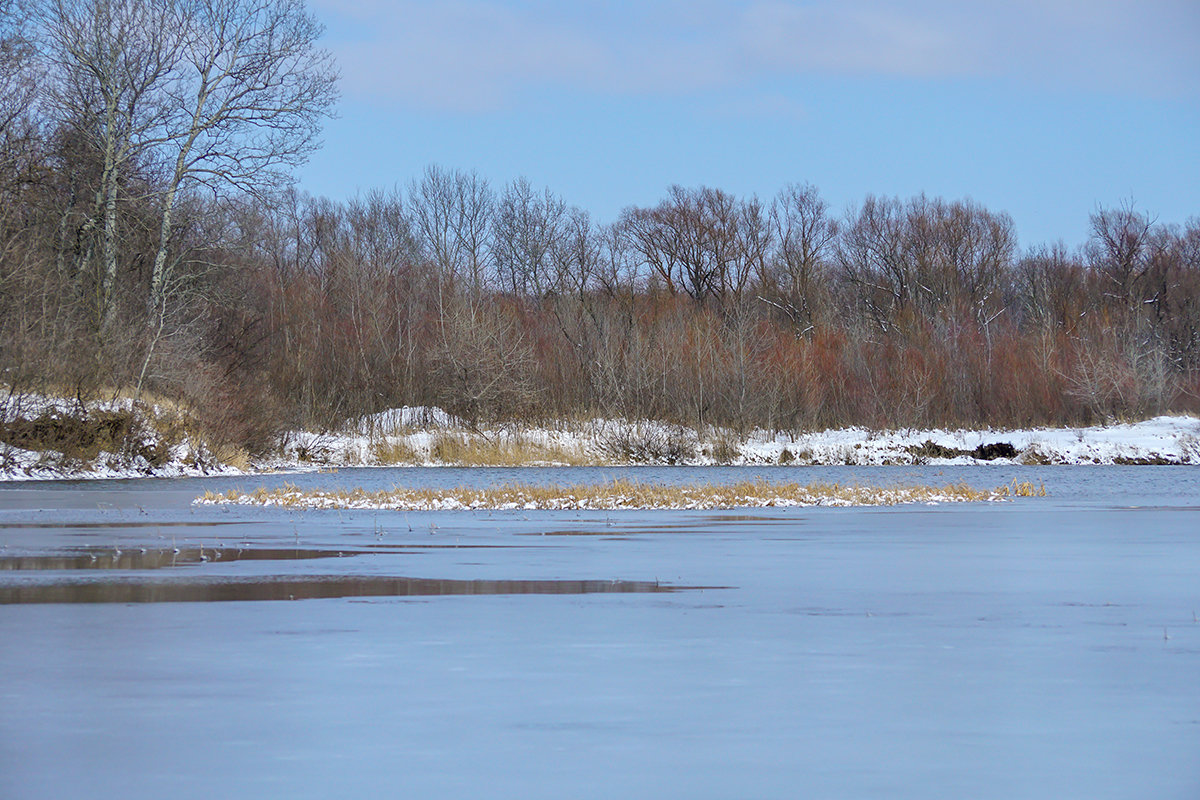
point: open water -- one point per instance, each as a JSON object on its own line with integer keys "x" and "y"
{"x": 1040, "y": 648}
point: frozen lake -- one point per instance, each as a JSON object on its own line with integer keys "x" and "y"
{"x": 1042, "y": 648}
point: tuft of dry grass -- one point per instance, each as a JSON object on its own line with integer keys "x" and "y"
{"x": 507, "y": 451}
{"x": 386, "y": 450}
{"x": 621, "y": 494}
{"x": 1024, "y": 489}
{"x": 231, "y": 455}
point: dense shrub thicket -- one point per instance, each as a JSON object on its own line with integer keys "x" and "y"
{"x": 261, "y": 308}
{"x": 308, "y": 312}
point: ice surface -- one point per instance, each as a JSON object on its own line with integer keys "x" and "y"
{"x": 1044, "y": 648}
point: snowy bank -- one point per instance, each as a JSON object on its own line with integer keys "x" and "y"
{"x": 1162, "y": 440}
{"x": 47, "y": 437}
{"x": 127, "y": 439}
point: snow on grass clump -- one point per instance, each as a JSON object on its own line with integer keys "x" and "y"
{"x": 618, "y": 494}
{"x": 47, "y": 437}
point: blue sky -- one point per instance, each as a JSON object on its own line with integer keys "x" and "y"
{"x": 1041, "y": 108}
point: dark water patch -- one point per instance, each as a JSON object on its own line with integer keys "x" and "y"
{"x": 1157, "y": 509}
{"x": 138, "y": 524}
{"x": 686, "y": 605}
{"x": 711, "y": 519}
{"x": 606, "y": 532}
{"x": 159, "y": 558}
{"x": 313, "y": 587}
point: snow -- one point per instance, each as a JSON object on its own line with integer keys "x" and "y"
{"x": 1173, "y": 439}
{"x": 416, "y": 435}
{"x": 1170, "y": 438}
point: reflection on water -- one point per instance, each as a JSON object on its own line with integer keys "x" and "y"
{"x": 214, "y": 590}
{"x": 63, "y": 525}
{"x": 158, "y": 558}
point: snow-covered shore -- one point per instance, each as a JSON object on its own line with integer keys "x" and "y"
{"x": 57, "y": 438}
{"x": 427, "y": 437}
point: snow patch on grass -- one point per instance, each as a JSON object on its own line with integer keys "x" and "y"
{"x": 616, "y": 495}
{"x": 47, "y": 437}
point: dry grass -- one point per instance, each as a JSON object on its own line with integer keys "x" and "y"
{"x": 387, "y": 450}
{"x": 622, "y": 494}
{"x": 231, "y": 455}
{"x": 510, "y": 451}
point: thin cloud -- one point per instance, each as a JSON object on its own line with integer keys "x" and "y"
{"x": 849, "y": 39}
{"x": 476, "y": 55}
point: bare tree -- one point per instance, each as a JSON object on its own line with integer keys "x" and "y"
{"x": 1119, "y": 248}
{"x": 926, "y": 256}
{"x": 110, "y": 65}
{"x": 18, "y": 94}
{"x": 19, "y": 147}
{"x": 704, "y": 242}
{"x": 452, "y": 213}
{"x": 484, "y": 368}
{"x": 220, "y": 94}
{"x": 248, "y": 98}
{"x": 576, "y": 255}
{"x": 804, "y": 234}
{"x": 870, "y": 254}
{"x": 526, "y": 228}
{"x": 1049, "y": 287}
{"x": 958, "y": 254}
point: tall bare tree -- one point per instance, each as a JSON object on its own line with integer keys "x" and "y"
{"x": 451, "y": 215}
{"x": 1119, "y": 249}
{"x": 704, "y": 242}
{"x": 527, "y": 227}
{"x": 18, "y": 94}
{"x": 804, "y": 234}
{"x": 215, "y": 94}
{"x": 111, "y": 64}
{"x": 246, "y": 103}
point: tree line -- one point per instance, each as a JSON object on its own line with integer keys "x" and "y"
{"x": 150, "y": 242}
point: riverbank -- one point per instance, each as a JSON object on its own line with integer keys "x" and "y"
{"x": 49, "y": 439}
